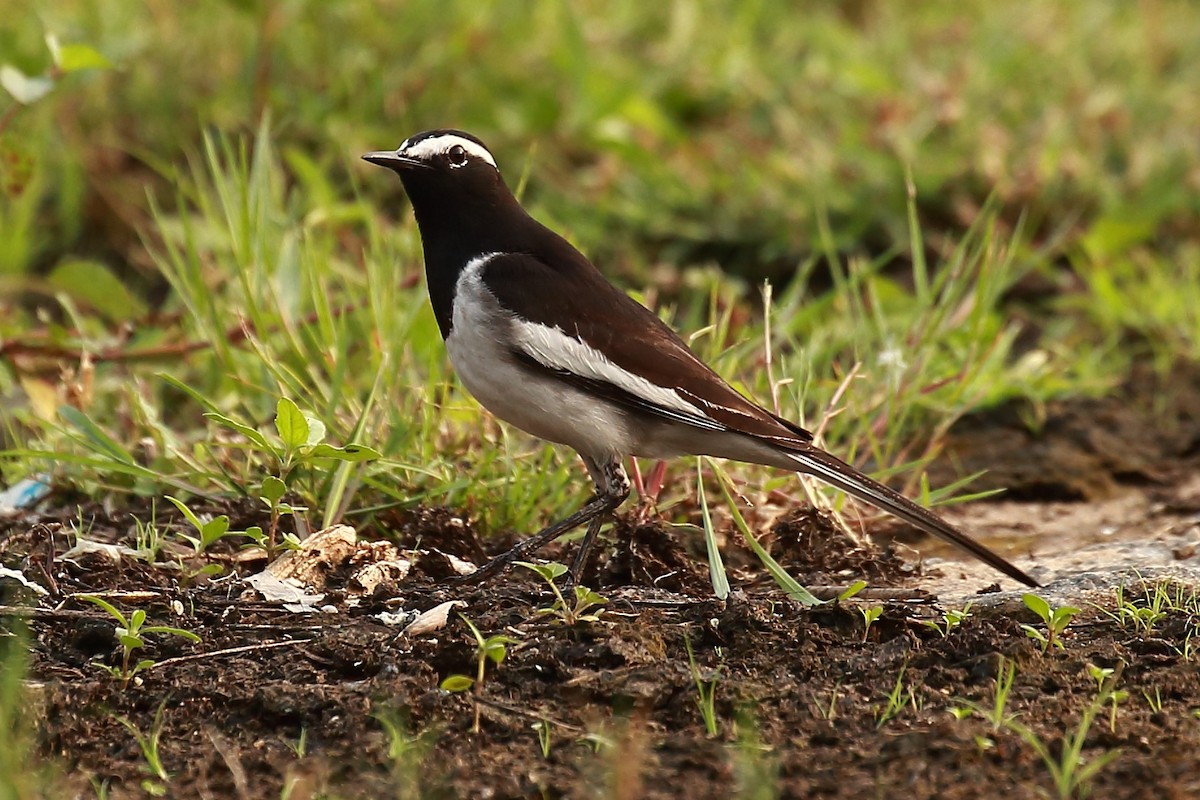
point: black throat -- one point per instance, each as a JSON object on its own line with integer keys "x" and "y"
{"x": 461, "y": 219}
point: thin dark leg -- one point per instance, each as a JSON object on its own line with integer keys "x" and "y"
{"x": 596, "y": 507}
{"x": 611, "y": 479}
{"x": 579, "y": 564}
{"x": 612, "y": 487}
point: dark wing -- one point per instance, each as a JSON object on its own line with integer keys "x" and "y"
{"x": 577, "y": 300}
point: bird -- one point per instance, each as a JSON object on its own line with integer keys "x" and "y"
{"x": 546, "y": 343}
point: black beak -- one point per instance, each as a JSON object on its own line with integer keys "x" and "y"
{"x": 393, "y": 160}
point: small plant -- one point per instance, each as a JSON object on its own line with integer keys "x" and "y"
{"x": 210, "y": 532}
{"x": 147, "y": 539}
{"x": 493, "y": 648}
{"x": 1156, "y": 602}
{"x": 156, "y": 784}
{"x": 869, "y": 615}
{"x": 300, "y": 746}
{"x": 407, "y": 752}
{"x": 1108, "y": 676}
{"x": 997, "y": 714}
{"x": 828, "y": 712}
{"x": 1155, "y": 702}
{"x": 130, "y": 632}
{"x": 706, "y": 691}
{"x": 1069, "y": 771}
{"x": 300, "y": 443}
{"x": 1005, "y": 676}
{"x": 950, "y": 620}
{"x": 897, "y": 699}
{"x": 755, "y": 769}
{"x": 1056, "y": 621}
{"x": 543, "y": 733}
{"x": 585, "y": 600}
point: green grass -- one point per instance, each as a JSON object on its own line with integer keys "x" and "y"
{"x": 213, "y": 243}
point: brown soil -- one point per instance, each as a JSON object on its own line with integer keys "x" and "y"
{"x": 800, "y": 692}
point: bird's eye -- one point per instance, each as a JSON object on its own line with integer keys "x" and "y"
{"x": 457, "y": 156}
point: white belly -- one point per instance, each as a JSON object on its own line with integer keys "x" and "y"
{"x": 534, "y": 402}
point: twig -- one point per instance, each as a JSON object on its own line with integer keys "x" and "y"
{"x": 31, "y": 612}
{"x": 520, "y": 712}
{"x": 230, "y": 651}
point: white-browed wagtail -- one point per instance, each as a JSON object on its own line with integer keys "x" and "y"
{"x": 546, "y": 343}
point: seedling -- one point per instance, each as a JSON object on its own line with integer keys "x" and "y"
{"x": 706, "y": 691}
{"x": 130, "y": 632}
{"x": 997, "y": 714}
{"x": 584, "y": 608}
{"x": 1056, "y": 621}
{"x": 828, "y": 712}
{"x": 950, "y": 620}
{"x": 851, "y": 590}
{"x": 148, "y": 539}
{"x": 755, "y": 769}
{"x": 299, "y": 443}
{"x": 300, "y": 746}
{"x": 897, "y": 699}
{"x": 869, "y": 615}
{"x": 210, "y": 532}
{"x": 407, "y": 752}
{"x": 1106, "y": 678}
{"x": 1069, "y": 771}
{"x": 1156, "y": 603}
{"x": 493, "y": 648}
{"x": 1155, "y": 702}
{"x": 543, "y": 733}
{"x": 156, "y": 784}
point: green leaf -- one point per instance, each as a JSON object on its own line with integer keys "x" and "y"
{"x": 78, "y": 57}
{"x": 95, "y": 435}
{"x": 94, "y": 284}
{"x": 495, "y": 648}
{"x": 131, "y": 642}
{"x": 213, "y": 530}
{"x": 290, "y": 424}
{"x": 108, "y": 607}
{"x": 457, "y": 683}
{"x": 145, "y": 663}
{"x": 25, "y": 89}
{"x": 585, "y": 596}
{"x": 166, "y": 629}
{"x": 1037, "y": 605}
{"x": 790, "y": 586}
{"x": 187, "y": 513}
{"x": 852, "y": 590}
{"x": 136, "y": 620}
{"x": 350, "y": 452}
{"x": 548, "y": 571}
{"x": 716, "y": 567}
{"x": 245, "y": 430}
{"x": 273, "y": 490}
{"x": 1033, "y": 633}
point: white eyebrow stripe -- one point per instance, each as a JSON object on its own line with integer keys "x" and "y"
{"x": 437, "y": 145}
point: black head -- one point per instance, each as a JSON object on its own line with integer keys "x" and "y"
{"x": 457, "y": 194}
{"x": 462, "y": 206}
{"x": 454, "y": 155}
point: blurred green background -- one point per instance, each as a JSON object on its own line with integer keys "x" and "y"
{"x": 192, "y": 166}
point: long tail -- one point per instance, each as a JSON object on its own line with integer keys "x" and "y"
{"x": 836, "y": 472}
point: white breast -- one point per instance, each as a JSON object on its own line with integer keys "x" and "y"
{"x": 480, "y": 344}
